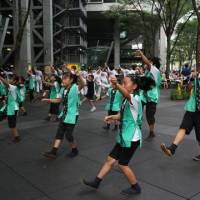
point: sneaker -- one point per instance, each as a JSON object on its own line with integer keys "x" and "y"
{"x": 131, "y": 191}
{"x": 50, "y": 155}
{"x": 196, "y": 158}
{"x": 93, "y": 109}
{"x": 166, "y": 150}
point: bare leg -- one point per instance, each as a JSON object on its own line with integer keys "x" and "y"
{"x": 106, "y": 167}
{"x": 179, "y": 136}
{"x": 126, "y": 170}
{"x": 14, "y": 132}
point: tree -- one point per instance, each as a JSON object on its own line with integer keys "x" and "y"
{"x": 169, "y": 13}
{"x": 196, "y": 6}
{"x": 21, "y": 22}
{"x": 185, "y": 44}
{"x": 137, "y": 22}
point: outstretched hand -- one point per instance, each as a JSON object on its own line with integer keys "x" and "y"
{"x": 108, "y": 119}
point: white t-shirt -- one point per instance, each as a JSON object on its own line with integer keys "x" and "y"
{"x": 134, "y": 106}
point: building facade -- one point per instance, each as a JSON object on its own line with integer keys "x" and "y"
{"x": 55, "y": 31}
{"x": 59, "y": 31}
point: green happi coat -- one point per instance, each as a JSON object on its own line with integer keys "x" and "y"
{"x": 55, "y": 90}
{"x": 22, "y": 92}
{"x": 153, "y": 95}
{"x": 13, "y": 99}
{"x": 2, "y": 89}
{"x": 116, "y": 103}
{"x": 73, "y": 99}
{"x": 32, "y": 82}
{"x": 190, "y": 106}
{"x": 131, "y": 120}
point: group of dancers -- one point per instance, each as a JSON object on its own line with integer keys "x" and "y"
{"x": 127, "y": 91}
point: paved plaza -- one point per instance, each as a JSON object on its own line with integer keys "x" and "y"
{"x": 26, "y": 175}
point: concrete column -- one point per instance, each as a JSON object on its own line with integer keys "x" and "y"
{"x": 25, "y": 53}
{"x": 157, "y": 44}
{"x": 48, "y": 31}
{"x": 116, "y": 43}
{"x": 163, "y": 48}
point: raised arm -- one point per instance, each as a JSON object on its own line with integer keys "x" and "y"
{"x": 5, "y": 82}
{"x": 123, "y": 91}
{"x": 81, "y": 81}
{"x": 145, "y": 59}
{"x": 58, "y": 100}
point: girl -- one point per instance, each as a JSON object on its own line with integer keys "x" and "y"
{"x": 31, "y": 75}
{"x": 54, "y": 94}
{"x": 90, "y": 96}
{"x": 191, "y": 119}
{"x": 153, "y": 95}
{"x": 129, "y": 137}
{"x": 12, "y": 106}
{"x": 113, "y": 104}
{"x": 68, "y": 118}
{"x": 22, "y": 92}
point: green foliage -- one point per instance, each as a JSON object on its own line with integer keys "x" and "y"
{"x": 174, "y": 94}
{"x": 185, "y": 46}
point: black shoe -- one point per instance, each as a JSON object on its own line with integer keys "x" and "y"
{"x": 73, "y": 153}
{"x": 131, "y": 191}
{"x": 196, "y": 158}
{"x": 106, "y": 128}
{"x": 50, "y": 155}
{"x": 24, "y": 114}
{"x": 115, "y": 129}
{"x": 166, "y": 150}
{"x": 92, "y": 184}
{"x": 151, "y": 136}
{"x": 16, "y": 139}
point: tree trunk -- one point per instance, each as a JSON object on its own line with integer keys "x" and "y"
{"x": 168, "y": 56}
{"x": 198, "y": 49}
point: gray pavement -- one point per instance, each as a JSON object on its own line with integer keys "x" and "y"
{"x": 26, "y": 175}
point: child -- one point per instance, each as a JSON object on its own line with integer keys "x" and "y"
{"x": 191, "y": 119}
{"x": 113, "y": 104}
{"x": 69, "y": 115}
{"x": 22, "y": 92}
{"x": 129, "y": 137}
{"x": 31, "y": 75}
{"x": 90, "y": 96}
{"x": 12, "y": 106}
{"x": 54, "y": 94}
{"x": 153, "y": 95}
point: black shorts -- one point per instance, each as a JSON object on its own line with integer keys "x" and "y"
{"x": 191, "y": 120}
{"x": 110, "y": 112}
{"x": 150, "y": 112}
{"x": 12, "y": 120}
{"x": 90, "y": 97}
{"x": 66, "y": 130}
{"x": 124, "y": 154}
{"x": 54, "y": 108}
